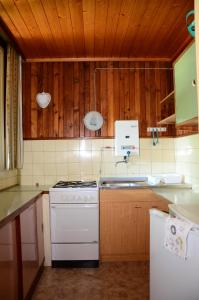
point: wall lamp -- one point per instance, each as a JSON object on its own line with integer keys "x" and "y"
{"x": 43, "y": 99}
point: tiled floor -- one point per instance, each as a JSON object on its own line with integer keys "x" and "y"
{"x": 111, "y": 281}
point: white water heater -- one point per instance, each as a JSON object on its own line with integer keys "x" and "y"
{"x": 127, "y": 138}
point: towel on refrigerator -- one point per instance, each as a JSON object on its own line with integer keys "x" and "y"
{"x": 176, "y": 233}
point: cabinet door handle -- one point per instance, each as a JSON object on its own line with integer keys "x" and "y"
{"x": 193, "y": 82}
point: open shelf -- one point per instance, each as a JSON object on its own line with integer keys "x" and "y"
{"x": 169, "y": 120}
{"x": 171, "y": 95}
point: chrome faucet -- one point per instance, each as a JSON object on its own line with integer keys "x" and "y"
{"x": 125, "y": 160}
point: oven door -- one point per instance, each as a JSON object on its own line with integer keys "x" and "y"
{"x": 74, "y": 223}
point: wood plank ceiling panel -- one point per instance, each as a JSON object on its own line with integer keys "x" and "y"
{"x": 101, "y": 10}
{"x": 65, "y": 24}
{"x": 43, "y": 25}
{"x": 10, "y": 14}
{"x": 98, "y": 29}
{"x": 89, "y": 26}
{"x": 76, "y": 14}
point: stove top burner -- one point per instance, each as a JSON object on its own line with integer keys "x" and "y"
{"x": 75, "y": 184}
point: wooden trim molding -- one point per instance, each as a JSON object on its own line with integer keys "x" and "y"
{"x": 88, "y": 59}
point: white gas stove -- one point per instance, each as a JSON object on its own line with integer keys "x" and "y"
{"x": 74, "y": 208}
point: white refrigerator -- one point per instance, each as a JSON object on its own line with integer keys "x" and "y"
{"x": 172, "y": 277}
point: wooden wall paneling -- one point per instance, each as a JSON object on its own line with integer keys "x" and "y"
{"x": 110, "y": 100}
{"x": 68, "y": 100}
{"x": 76, "y": 83}
{"x": 116, "y": 92}
{"x": 148, "y": 103}
{"x": 60, "y": 101}
{"x": 39, "y": 89}
{"x": 47, "y": 112}
{"x": 142, "y": 101}
{"x": 26, "y": 80}
{"x": 34, "y": 105}
{"x": 56, "y": 78}
{"x": 137, "y": 90}
{"x": 81, "y": 101}
{"x": 86, "y": 94}
{"x": 120, "y": 94}
{"x": 103, "y": 99}
{"x": 98, "y": 93}
{"x": 152, "y": 95}
{"x": 132, "y": 112}
{"x": 91, "y": 88}
{"x": 126, "y": 91}
{"x": 50, "y": 84}
{"x": 158, "y": 92}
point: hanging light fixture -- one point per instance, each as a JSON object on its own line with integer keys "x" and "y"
{"x": 43, "y": 99}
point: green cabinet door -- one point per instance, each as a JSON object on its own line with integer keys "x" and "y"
{"x": 185, "y": 92}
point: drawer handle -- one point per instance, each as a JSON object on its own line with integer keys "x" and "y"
{"x": 154, "y": 206}
{"x": 137, "y": 206}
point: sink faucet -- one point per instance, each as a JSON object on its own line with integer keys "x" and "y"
{"x": 125, "y": 160}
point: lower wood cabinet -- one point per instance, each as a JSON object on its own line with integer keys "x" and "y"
{"x": 9, "y": 281}
{"x": 124, "y": 223}
{"x": 21, "y": 253}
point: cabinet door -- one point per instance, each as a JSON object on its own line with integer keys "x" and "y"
{"x": 117, "y": 229}
{"x": 185, "y": 92}
{"x": 8, "y": 262}
{"x": 40, "y": 235}
{"x": 124, "y": 223}
{"x": 29, "y": 249}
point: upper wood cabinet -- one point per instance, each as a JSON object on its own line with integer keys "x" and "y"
{"x": 185, "y": 90}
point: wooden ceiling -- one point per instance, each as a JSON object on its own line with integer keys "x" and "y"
{"x": 97, "y": 29}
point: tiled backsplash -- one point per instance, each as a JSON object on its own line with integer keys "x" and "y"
{"x": 48, "y": 161}
{"x": 187, "y": 158}
{"x": 8, "y": 178}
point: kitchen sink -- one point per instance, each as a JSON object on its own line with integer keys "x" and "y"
{"x": 123, "y": 182}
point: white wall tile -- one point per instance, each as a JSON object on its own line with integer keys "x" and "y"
{"x": 55, "y": 159}
{"x": 49, "y": 145}
{"x": 37, "y": 146}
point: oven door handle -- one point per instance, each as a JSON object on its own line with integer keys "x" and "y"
{"x": 73, "y": 206}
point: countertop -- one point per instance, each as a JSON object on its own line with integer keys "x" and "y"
{"x": 15, "y": 199}
{"x": 183, "y": 199}
{"x": 13, "y": 202}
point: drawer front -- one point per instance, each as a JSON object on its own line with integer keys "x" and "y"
{"x": 75, "y": 251}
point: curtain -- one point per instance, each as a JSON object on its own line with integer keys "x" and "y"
{"x": 2, "y": 136}
{"x": 13, "y": 111}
